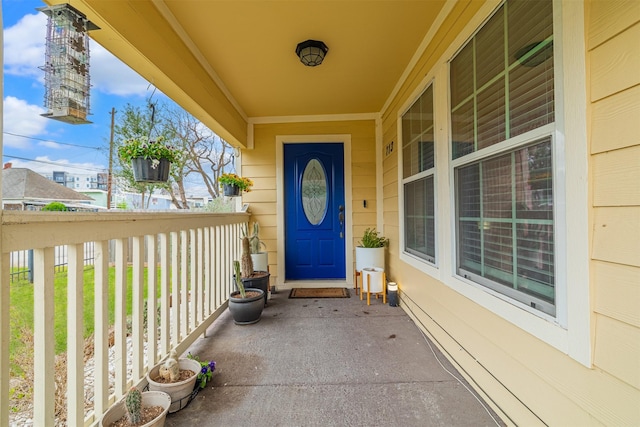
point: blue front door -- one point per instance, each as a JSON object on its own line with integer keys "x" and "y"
{"x": 314, "y": 211}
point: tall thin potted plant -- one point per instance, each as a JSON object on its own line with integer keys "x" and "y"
{"x": 260, "y": 258}
{"x": 245, "y": 304}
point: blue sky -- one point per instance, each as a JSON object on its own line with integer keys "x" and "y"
{"x": 44, "y": 145}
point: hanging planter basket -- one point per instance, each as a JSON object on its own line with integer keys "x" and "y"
{"x": 150, "y": 170}
{"x": 231, "y": 190}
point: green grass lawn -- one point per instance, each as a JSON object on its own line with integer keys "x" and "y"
{"x": 22, "y": 305}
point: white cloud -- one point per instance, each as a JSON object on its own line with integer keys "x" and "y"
{"x": 24, "y": 46}
{"x": 45, "y": 165}
{"x": 21, "y": 118}
{"x": 111, "y": 76}
{"x": 24, "y": 50}
{"x": 52, "y": 145}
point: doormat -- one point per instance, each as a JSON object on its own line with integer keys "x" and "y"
{"x": 319, "y": 293}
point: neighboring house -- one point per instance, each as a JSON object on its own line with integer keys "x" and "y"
{"x": 155, "y": 202}
{"x": 496, "y": 144}
{"x": 99, "y": 196}
{"x": 24, "y": 189}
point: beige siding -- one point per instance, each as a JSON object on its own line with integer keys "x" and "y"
{"x": 617, "y": 294}
{"x": 609, "y": 18}
{"x": 616, "y": 177}
{"x": 526, "y": 380}
{"x": 530, "y": 381}
{"x": 615, "y": 64}
{"x": 614, "y": 121}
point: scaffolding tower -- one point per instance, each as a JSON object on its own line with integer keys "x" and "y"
{"x": 66, "y": 69}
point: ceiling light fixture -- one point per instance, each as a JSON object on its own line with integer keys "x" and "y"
{"x": 311, "y": 52}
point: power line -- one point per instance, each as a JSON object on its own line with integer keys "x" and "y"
{"x": 66, "y": 165}
{"x": 55, "y": 142}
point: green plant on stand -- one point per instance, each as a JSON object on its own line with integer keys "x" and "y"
{"x": 372, "y": 239}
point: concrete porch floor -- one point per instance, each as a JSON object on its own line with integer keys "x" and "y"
{"x": 327, "y": 362}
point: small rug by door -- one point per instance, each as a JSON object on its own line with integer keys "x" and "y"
{"x": 319, "y": 293}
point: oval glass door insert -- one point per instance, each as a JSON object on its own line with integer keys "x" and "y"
{"x": 314, "y": 192}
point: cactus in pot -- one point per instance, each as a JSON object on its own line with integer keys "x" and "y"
{"x": 133, "y": 402}
{"x": 238, "y": 276}
{"x": 247, "y": 262}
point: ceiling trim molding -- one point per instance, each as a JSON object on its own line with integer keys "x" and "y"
{"x": 446, "y": 9}
{"x": 173, "y": 22}
{"x": 316, "y": 118}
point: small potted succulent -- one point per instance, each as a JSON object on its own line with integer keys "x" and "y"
{"x": 150, "y": 158}
{"x": 141, "y": 409}
{"x": 176, "y": 377}
{"x": 233, "y": 184}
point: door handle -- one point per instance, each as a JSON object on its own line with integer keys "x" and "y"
{"x": 341, "y": 219}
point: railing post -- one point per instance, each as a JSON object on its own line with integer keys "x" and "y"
{"x": 75, "y": 338}
{"x": 137, "y": 308}
{"x": 44, "y": 339}
{"x": 165, "y": 331}
{"x": 120, "y": 344}
{"x": 152, "y": 300}
{"x": 101, "y": 328}
{"x": 5, "y": 279}
{"x": 200, "y": 275}
{"x": 184, "y": 285}
{"x": 208, "y": 282}
{"x": 175, "y": 288}
{"x": 193, "y": 283}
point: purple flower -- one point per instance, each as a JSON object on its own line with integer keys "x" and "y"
{"x": 212, "y": 366}
{"x": 203, "y": 370}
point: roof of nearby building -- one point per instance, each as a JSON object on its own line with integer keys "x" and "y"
{"x": 25, "y": 184}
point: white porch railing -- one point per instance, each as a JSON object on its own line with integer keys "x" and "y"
{"x": 193, "y": 253}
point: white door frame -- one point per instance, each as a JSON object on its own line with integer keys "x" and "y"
{"x": 303, "y": 139}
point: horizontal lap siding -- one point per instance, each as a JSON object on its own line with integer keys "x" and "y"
{"x": 527, "y": 379}
{"x": 614, "y": 60}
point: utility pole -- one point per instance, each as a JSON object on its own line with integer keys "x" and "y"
{"x": 110, "y": 176}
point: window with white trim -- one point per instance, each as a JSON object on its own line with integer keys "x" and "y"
{"x": 502, "y": 119}
{"x": 418, "y": 169}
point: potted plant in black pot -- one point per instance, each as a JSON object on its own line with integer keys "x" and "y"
{"x": 233, "y": 184}
{"x": 369, "y": 252}
{"x": 150, "y": 158}
{"x": 245, "y": 305}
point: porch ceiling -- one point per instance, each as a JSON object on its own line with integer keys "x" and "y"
{"x": 247, "y": 49}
